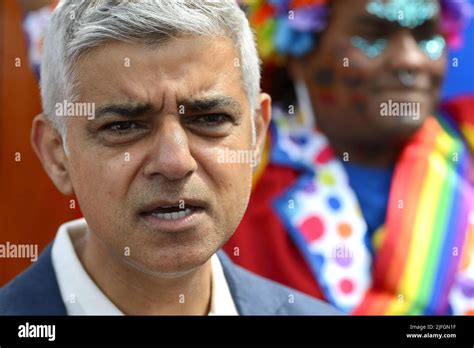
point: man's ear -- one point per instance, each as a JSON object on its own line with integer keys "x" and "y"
{"x": 48, "y": 146}
{"x": 262, "y": 121}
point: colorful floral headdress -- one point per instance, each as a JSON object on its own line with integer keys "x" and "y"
{"x": 288, "y": 27}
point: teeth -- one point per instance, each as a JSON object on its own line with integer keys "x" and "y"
{"x": 174, "y": 215}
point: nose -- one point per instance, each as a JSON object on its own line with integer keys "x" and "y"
{"x": 405, "y": 54}
{"x": 170, "y": 156}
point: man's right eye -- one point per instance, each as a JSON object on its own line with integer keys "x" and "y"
{"x": 121, "y": 132}
{"x": 120, "y": 127}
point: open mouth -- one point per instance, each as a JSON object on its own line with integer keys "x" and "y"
{"x": 172, "y": 212}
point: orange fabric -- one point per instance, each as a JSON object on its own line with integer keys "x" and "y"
{"x": 31, "y": 209}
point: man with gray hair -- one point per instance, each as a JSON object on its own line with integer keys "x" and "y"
{"x": 140, "y": 99}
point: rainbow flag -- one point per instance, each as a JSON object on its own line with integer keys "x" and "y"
{"x": 462, "y": 109}
{"x": 430, "y": 202}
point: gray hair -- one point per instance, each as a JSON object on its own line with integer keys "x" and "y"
{"x": 76, "y": 27}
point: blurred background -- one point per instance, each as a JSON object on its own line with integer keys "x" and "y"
{"x": 31, "y": 207}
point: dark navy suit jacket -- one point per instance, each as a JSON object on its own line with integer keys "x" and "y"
{"x": 36, "y": 292}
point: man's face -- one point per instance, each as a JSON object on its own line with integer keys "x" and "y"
{"x": 146, "y": 170}
{"x": 366, "y": 66}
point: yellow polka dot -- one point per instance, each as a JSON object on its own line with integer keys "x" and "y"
{"x": 327, "y": 178}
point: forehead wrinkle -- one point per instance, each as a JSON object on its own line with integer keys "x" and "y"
{"x": 173, "y": 91}
{"x": 160, "y": 84}
{"x": 170, "y": 98}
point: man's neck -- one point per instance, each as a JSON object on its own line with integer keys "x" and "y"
{"x": 136, "y": 292}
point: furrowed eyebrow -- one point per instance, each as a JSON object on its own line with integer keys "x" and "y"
{"x": 131, "y": 110}
{"x": 206, "y": 104}
{"x": 211, "y": 103}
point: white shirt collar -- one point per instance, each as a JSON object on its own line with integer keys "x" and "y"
{"x": 82, "y": 296}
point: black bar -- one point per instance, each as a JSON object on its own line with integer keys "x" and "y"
{"x": 349, "y": 330}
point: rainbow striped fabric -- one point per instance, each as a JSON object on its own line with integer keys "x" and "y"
{"x": 430, "y": 207}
